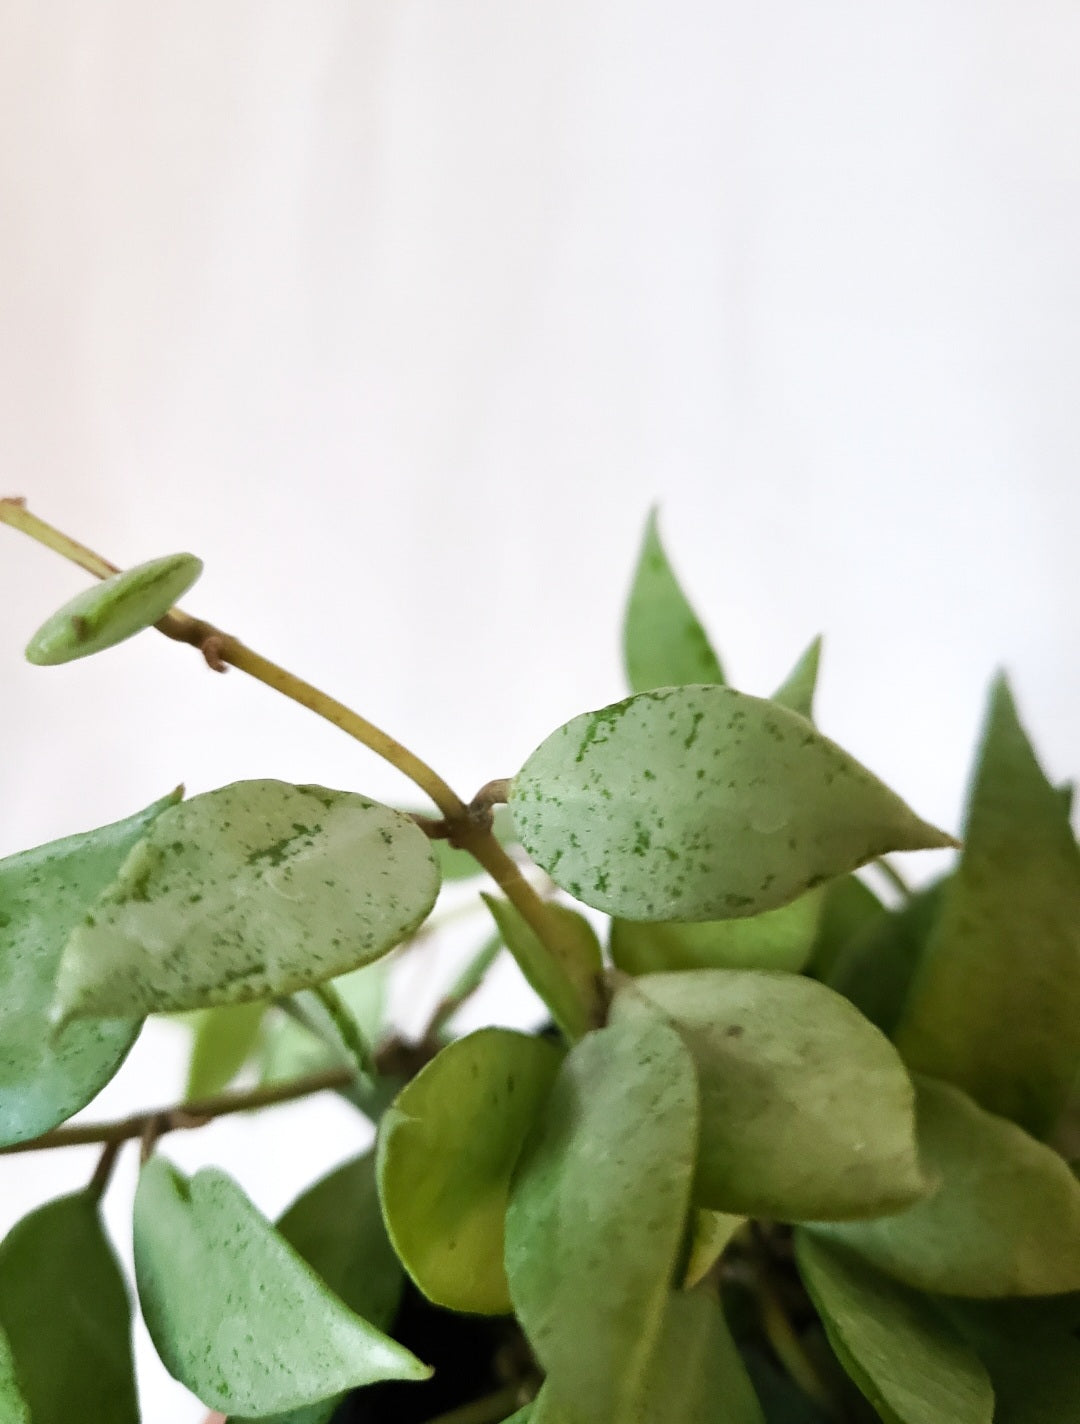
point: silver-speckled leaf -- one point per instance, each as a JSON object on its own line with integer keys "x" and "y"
{"x": 113, "y": 610}
{"x": 44, "y": 894}
{"x": 702, "y": 803}
{"x": 254, "y": 890}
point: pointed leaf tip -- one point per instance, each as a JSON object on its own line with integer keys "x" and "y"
{"x": 664, "y": 643}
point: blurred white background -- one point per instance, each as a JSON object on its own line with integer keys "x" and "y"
{"x": 400, "y": 313}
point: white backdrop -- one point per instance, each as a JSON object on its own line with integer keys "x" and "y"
{"x": 400, "y": 313}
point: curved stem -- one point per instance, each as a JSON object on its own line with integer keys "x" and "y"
{"x": 345, "y": 1027}
{"x": 158, "y": 1121}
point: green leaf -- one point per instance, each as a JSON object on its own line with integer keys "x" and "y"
{"x": 248, "y": 892}
{"x": 1004, "y": 1220}
{"x": 663, "y": 641}
{"x": 876, "y": 967}
{"x": 579, "y": 954}
{"x": 806, "y": 1109}
{"x": 65, "y": 1310}
{"x": 598, "y": 1208}
{"x": 113, "y": 610}
{"x": 893, "y": 1342}
{"x": 235, "y": 1313}
{"x": 224, "y": 1039}
{"x": 310, "y": 1040}
{"x": 776, "y": 939}
{"x": 13, "y": 1406}
{"x": 849, "y": 908}
{"x": 337, "y": 1227}
{"x": 797, "y": 689}
{"x": 1006, "y": 955}
{"x": 701, "y": 803}
{"x": 696, "y": 1376}
{"x": 1032, "y": 1350}
{"x": 712, "y": 1234}
{"x": 447, "y": 1148}
{"x": 47, "y": 1076}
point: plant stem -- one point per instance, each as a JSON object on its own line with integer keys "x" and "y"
{"x": 345, "y": 1026}
{"x": 184, "y": 1115}
{"x": 103, "y": 1171}
{"x": 893, "y": 876}
{"x": 489, "y": 1410}
{"x": 15, "y": 513}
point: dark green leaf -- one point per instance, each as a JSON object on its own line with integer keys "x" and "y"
{"x": 113, "y": 610}
{"x": 700, "y": 803}
{"x": 893, "y": 1342}
{"x": 224, "y": 1040}
{"x": 598, "y": 1209}
{"x": 47, "y": 1076}
{"x": 875, "y": 968}
{"x": 13, "y": 1406}
{"x": 579, "y": 952}
{"x": 806, "y": 1109}
{"x": 235, "y": 1313}
{"x": 447, "y": 1149}
{"x": 776, "y": 939}
{"x": 996, "y": 1005}
{"x": 797, "y": 689}
{"x": 663, "y": 642}
{"x": 251, "y": 891}
{"x": 1005, "y": 1219}
{"x": 65, "y": 1310}
{"x": 1032, "y": 1350}
{"x": 849, "y": 908}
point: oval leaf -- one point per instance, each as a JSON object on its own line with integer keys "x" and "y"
{"x": 663, "y": 641}
{"x": 701, "y": 803}
{"x": 696, "y": 1376}
{"x": 223, "y": 1041}
{"x": 234, "y": 1312}
{"x": 1004, "y": 1220}
{"x": 896, "y": 1346}
{"x": 777, "y": 939}
{"x": 1005, "y": 959}
{"x": 806, "y": 1109}
{"x": 447, "y": 1149}
{"x": 598, "y": 1209}
{"x": 44, "y": 893}
{"x": 65, "y": 1310}
{"x": 113, "y": 610}
{"x": 251, "y": 891}
{"x": 798, "y": 688}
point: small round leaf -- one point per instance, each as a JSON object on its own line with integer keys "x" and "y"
{"x": 114, "y": 610}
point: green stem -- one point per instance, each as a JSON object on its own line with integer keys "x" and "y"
{"x": 893, "y": 876}
{"x": 345, "y": 1025}
{"x": 489, "y": 1410}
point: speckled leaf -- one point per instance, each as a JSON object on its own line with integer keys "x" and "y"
{"x": 876, "y": 967}
{"x": 1004, "y": 963}
{"x": 776, "y": 939}
{"x": 598, "y": 1208}
{"x": 569, "y": 992}
{"x": 806, "y": 1109}
{"x": 1032, "y": 1351}
{"x": 893, "y": 1342}
{"x": 44, "y": 893}
{"x": 223, "y": 1040}
{"x": 113, "y": 610}
{"x": 663, "y": 641}
{"x": 337, "y": 1227}
{"x": 849, "y": 908}
{"x": 65, "y": 1310}
{"x": 1004, "y": 1220}
{"x": 798, "y": 688}
{"x": 701, "y": 803}
{"x": 447, "y": 1149}
{"x": 13, "y": 1406}
{"x": 251, "y": 891}
{"x": 234, "y": 1312}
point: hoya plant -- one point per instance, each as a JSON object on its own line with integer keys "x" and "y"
{"x": 790, "y": 1142}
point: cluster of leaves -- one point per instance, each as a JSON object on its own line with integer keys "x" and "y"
{"x": 785, "y": 1154}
